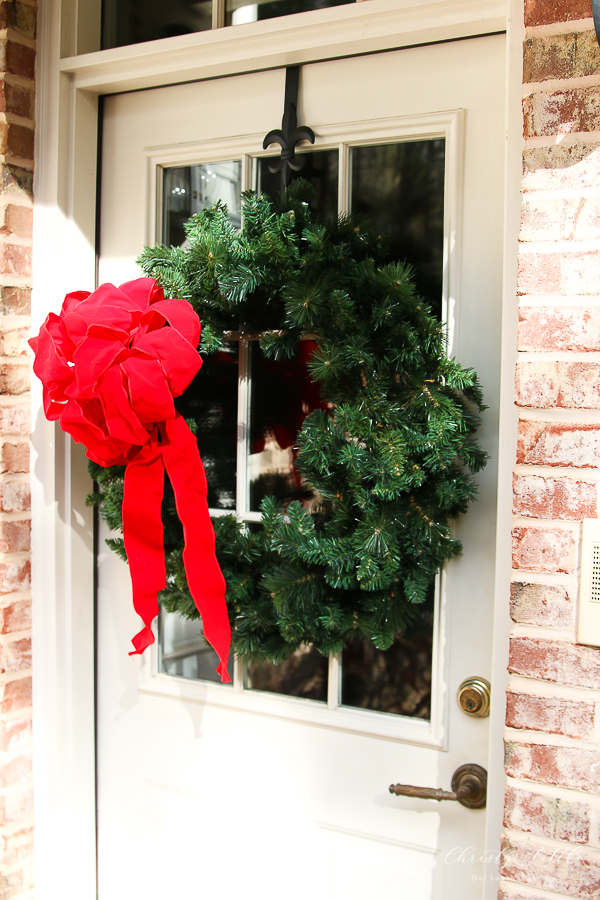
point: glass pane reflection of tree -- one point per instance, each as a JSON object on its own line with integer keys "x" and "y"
{"x": 304, "y": 674}
{"x": 400, "y": 188}
{"x": 397, "y": 680}
{"x": 188, "y": 190}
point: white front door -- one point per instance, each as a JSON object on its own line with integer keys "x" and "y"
{"x": 205, "y": 788}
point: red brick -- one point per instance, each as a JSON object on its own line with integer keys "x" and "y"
{"x": 559, "y": 218}
{"x": 15, "y": 420}
{"x": 552, "y": 817}
{"x": 17, "y": 59}
{"x": 15, "y": 655}
{"x": 14, "y": 342}
{"x": 559, "y": 328}
{"x": 15, "y": 576}
{"x": 15, "y": 301}
{"x": 15, "y": 616}
{"x": 15, "y": 537}
{"x": 570, "y": 767}
{"x": 18, "y": 220}
{"x": 15, "y": 846}
{"x": 554, "y": 498}
{"x": 544, "y": 549}
{"x": 14, "y": 379}
{"x": 16, "y": 806}
{"x": 16, "y": 882}
{"x": 544, "y": 12}
{"x": 558, "y": 444}
{"x": 15, "y": 456}
{"x": 541, "y": 604}
{"x": 15, "y": 260}
{"x": 15, "y": 771}
{"x": 508, "y": 893}
{"x": 15, "y": 496}
{"x": 558, "y": 273}
{"x": 15, "y": 733}
{"x": 552, "y": 715}
{"x": 569, "y": 385}
{"x": 15, "y": 694}
{"x": 567, "y": 870}
{"x": 566, "y": 165}
{"x": 570, "y": 55}
{"x": 547, "y": 113}
{"x": 17, "y": 180}
{"x": 20, "y": 141}
{"x": 21, "y": 17}
{"x": 17, "y": 99}
{"x": 556, "y": 661}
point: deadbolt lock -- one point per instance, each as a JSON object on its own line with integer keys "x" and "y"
{"x": 474, "y": 697}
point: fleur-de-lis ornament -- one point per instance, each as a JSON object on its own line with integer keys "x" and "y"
{"x": 290, "y": 133}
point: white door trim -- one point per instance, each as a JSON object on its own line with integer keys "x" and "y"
{"x": 64, "y": 259}
{"x": 355, "y": 28}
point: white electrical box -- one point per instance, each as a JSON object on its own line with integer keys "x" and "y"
{"x": 588, "y": 630}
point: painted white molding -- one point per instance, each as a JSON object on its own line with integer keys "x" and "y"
{"x": 507, "y": 443}
{"x": 62, "y": 545}
{"x": 356, "y": 28}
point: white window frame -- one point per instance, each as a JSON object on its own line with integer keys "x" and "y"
{"x": 71, "y": 75}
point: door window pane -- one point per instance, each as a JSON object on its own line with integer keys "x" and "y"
{"x": 183, "y": 649}
{"x": 190, "y": 189}
{"x": 320, "y": 170}
{"x": 397, "y": 680}
{"x": 212, "y": 401}
{"x": 304, "y": 674}
{"x": 283, "y": 394}
{"x": 239, "y": 12}
{"x": 400, "y": 188}
{"x": 134, "y": 21}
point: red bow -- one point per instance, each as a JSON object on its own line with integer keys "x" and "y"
{"x": 111, "y": 364}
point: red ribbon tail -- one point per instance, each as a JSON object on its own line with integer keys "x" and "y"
{"x": 205, "y": 579}
{"x": 143, "y": 537}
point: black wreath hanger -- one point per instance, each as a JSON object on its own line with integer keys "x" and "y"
{"x": 290, "y": 132}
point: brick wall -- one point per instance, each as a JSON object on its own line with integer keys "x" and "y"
{"x": 17, "y": 70}
{"x": 552, "y": 809}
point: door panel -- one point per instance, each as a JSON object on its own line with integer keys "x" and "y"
{"x": 203, "y": 787}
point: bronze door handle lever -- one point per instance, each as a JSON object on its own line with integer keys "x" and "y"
{"x": 469, "y": 787}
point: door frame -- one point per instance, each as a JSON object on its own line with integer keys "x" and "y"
{"x": 65, "y": 186}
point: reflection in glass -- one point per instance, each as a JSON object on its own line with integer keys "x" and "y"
{"x": 133, "y": 21}
{"x": 211, "y": 400}
{"x": 240, "y": 11}
{"x": 397, "y": 680}
{"x": 304, "y": 674}
{"x": 184, "y": 651}
{"x": 190, "y": 189}
{"x": 320, "y": 169}
{"x": 400, "y": 188}
{"x": 282, "y": 396}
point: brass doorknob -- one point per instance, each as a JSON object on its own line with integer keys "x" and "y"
{"x": 469, "y": 787}
{"x": 474, "y": 697}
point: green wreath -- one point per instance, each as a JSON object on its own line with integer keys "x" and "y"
{"x": 389, "y": 454}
